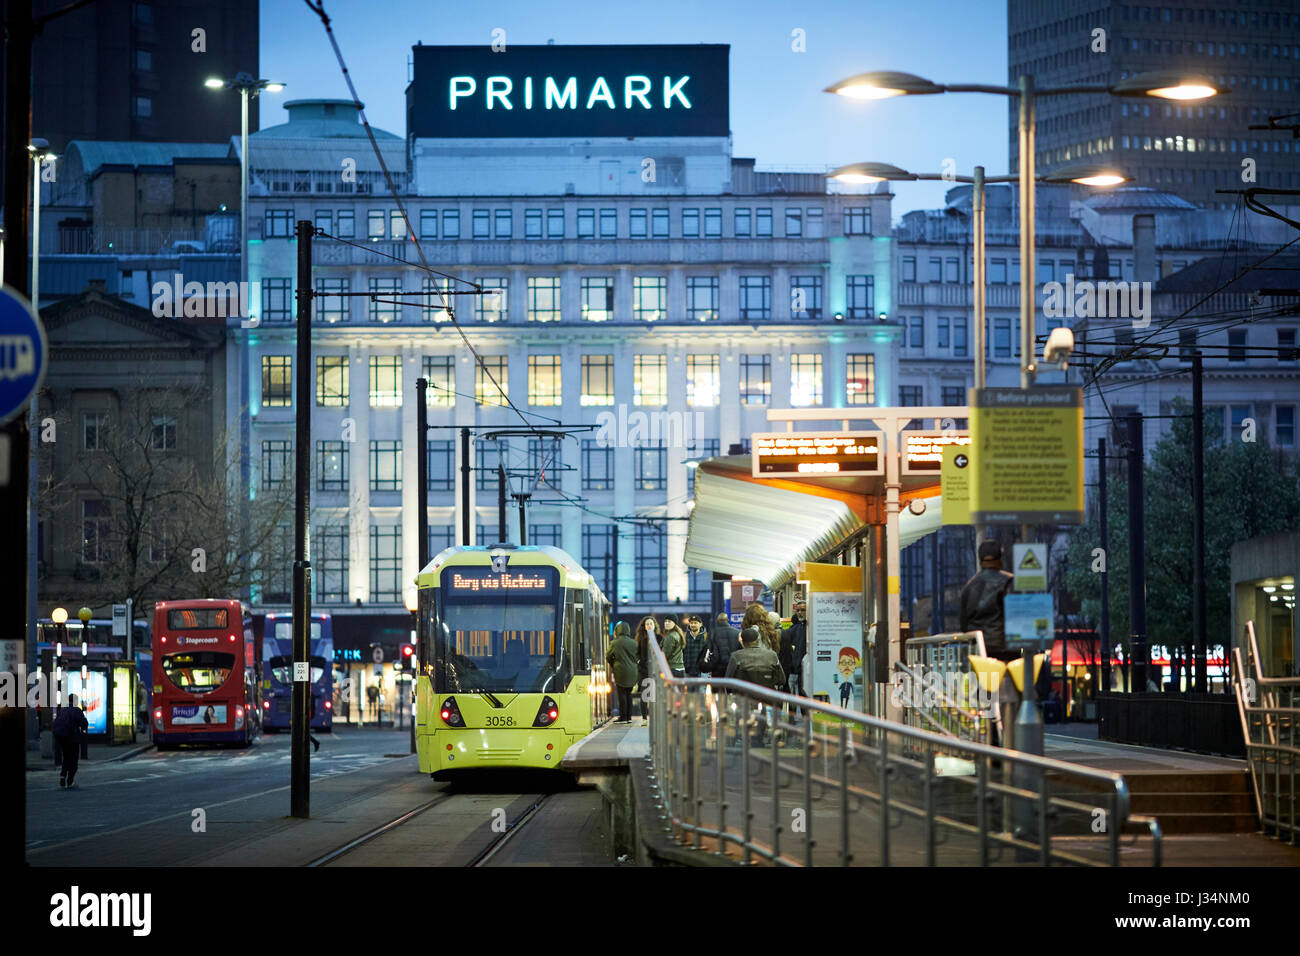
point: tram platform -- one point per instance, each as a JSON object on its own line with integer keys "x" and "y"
{"x": 611, "y": 746}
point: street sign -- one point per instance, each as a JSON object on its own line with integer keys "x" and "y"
{"x": 954, "y": 484}
{"x": 1029, "y": 620}
{"x": 23, "y": 352}
{"x": 1029, "y": 565}
{"x": 923, "y": 451}
{"x": 809, "y": 454}
{"x": 1028, "y": 455}
{"x": 119, "y": 620}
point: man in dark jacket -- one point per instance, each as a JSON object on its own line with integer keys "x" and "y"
{"x": 982, "y": 600}
{"x": 622, "y": 660}
{"x": 697, "y": 639}
{"x": 794, "y": 644}
{"x": 757, "y": 663}
{"x": 723, "y": 642}
{"x": 69, "y": 725}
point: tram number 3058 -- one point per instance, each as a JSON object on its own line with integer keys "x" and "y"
{"x": 500, "y": 721}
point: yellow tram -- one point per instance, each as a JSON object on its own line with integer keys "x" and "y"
{"x": 512, "y": 647}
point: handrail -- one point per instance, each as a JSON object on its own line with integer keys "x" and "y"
{"x": 703, "y": 767}
{"x": 1268, "y": 713}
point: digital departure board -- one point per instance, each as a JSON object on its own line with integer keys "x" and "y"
{"x": 923, "y": 451}
{"x": 812, "y": 454}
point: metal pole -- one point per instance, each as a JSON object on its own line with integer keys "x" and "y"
{"x": 33, "y": 417}
{"x": 16, "y": 434}
{"x": 501, "y": 503}
{"x": 243, "y": 187}
{"x": 1137, "y": 593}
{"x": 465, "y": 451}
{"x": 894, "y": 630}
{"x": 522, "y": 498}
{"x": 300, "y": 776}
{"x": 1105, "y": 574}
{"x": 1027, "y": 241}
{"x": 981, "y": 282}
{"x": 1200, "y": 650}
{"x": 422, "y": 470}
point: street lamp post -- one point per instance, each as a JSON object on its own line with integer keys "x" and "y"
{"x": 1087, "y": 175}
{"x": 247, "y": 86}
{"x": 1172, "y": 85}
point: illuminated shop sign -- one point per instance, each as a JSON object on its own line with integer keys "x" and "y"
{"x": 564, "y": 91}
{"x": 465, "y": 581}
{"x": 810, "y": 454}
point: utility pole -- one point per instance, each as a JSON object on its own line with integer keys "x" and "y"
{"x": 501, "y": 502}
{"x": 522, "y": 497}
{"x": 465, "y": 524}
{"x": 1105, "y": 574}
{"x": 300, "y": 760}
{"x": 1137, "y": 594}
{"x": 16, "y": 434}
{"x": 1200, "y": 650}
{"x": 422, "y": 470}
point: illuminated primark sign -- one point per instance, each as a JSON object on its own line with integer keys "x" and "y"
{"x": 568, "y": 91}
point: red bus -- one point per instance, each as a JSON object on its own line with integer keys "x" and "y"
{"x": 205, "y": 683}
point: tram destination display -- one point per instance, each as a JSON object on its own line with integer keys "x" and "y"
{"x": 813, "y": 454}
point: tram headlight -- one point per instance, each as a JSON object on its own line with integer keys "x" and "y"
{"x": 547, "y": 714}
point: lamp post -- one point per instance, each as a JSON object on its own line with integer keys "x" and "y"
{"x": 1172, "y": 85}
{"x": 39, "y": 150}
{"x": 248, "y": 87}
{"x": 1086, "y": 175}
{"x": 412, "y": 600}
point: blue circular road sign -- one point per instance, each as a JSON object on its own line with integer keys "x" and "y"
{"x": 23, "y": 352}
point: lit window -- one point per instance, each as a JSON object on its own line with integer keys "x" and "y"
{"x": 649, "y": 298}
{"x": 544, "y": 376}
{"x": 597, "y": 380}
{"x": 440, "y": 373}
{"x": 755, "y": 379}
{"x": 277, "y": 381}
{"x": 805, "y": 380}
{"x": 860, "y": 378}
{"x": 490, "y": 384}
{"x": 385, "y": 381}
{"x": 703, "y": 386}
{"x": 543, "y": 299}
{"x": 650, "y": 380}
{"x": 332, "y": 381}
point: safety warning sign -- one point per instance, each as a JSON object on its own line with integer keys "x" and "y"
{"x": 1029, "y": 565}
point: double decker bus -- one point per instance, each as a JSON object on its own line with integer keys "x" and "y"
{"x": 511, "y": 658}
{"x": 205, "y": 687}
{"x": 277, "y": 671}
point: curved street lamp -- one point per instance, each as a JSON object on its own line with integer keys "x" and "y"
{"x": 1080, "y": 174}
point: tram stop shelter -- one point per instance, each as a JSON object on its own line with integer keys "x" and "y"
{"x": 765, "y": 529}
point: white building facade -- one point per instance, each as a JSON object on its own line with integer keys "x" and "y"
{"x": 648, "y": 297}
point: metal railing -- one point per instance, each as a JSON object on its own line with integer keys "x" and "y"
{"x": 757, "y": 775}
{"x": 1270, "y": 710}
{"x": 937, "y": 689}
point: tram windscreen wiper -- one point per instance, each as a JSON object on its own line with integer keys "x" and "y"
{"x": 492, "y": 699}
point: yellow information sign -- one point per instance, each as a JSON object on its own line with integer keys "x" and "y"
{"x": 1027, "y": 448}
{"x": 954, "y": 481}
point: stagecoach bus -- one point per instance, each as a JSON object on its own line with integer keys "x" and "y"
{"x": 511, "y": 658}
{"x": 204, "y": 674}
{"x": 277, "y": 671}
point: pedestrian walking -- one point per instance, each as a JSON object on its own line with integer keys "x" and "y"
{"x": 674, "y": 645}
{"x": 794, "y": 644}
{"x": 758, "y": 664}
{"x": 723, "y": 642}
{"x": 645, "y": 633}
{"x": 70, "y": 726}
{"x": 982, "y": 602}
{"x": 697, "y": 639}
{"x": 756, "y": 616}
{"x": 623, "y": 665}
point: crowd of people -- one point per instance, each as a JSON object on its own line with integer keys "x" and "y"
{"x": 760, "y": 652}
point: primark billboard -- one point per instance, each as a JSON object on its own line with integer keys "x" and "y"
{"x": 568, "y": 91}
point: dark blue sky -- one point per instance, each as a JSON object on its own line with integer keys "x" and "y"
{"x": 779, "y": 115}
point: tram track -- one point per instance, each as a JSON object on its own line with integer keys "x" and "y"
{"x": 481, "y": 858}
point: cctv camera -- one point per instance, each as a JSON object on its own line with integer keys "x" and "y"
{"x": 1060, "y": 344}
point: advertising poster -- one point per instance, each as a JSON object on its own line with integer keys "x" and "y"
{"x": 743, "y": 594}
{"x": 198, "y": 713}
{"x": 1029, "y": 620}
{"x": 835, "y": 620}
{"x": 92, "y": 695}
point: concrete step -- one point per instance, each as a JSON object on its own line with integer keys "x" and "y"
{"x": 1214, "y": 802}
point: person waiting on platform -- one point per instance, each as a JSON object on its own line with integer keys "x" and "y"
{"x": 758, "y": 664}
{"x": 982, "y": 602}
{"x": 622, "y": 660}
{"x": 674, "y": 645}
